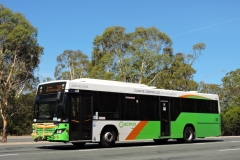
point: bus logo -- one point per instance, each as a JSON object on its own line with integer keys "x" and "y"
{"x": 127, "y": 124}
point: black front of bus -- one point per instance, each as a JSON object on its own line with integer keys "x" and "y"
{"x": 49, "y": 119}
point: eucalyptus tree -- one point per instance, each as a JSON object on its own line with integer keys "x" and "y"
{"x": 128, "y": 57}
{"x": 148, "y": 44}
{"x": 209, "y": 88}
{"x": 143, "y": 56}
{"x": 178, "y": 76}
{"x": 21, "y": 123}
{"x": 231, "y": 121}
{"x": 179, "y": 72}
{"x": 19, "y": 57}
{"x": 71, "y": 65}
{"x": 110, "y": 55}
{"x": 47, "y": 79}
{"x": 230, "y": 103}
{"x": 230, "y": 95}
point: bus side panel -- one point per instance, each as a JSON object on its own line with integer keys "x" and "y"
{"x": 177, "y": 126}
{"x": 150, "y": 131}
{"x": 208, "y": 125}
{"x": 128, "y": 130}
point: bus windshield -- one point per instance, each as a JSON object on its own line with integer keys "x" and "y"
{"x": 45, "y": 107}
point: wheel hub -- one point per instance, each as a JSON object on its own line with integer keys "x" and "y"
{"x": 108, "y": 137}
{"x": 189, "y": 135}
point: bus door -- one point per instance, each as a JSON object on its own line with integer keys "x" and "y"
{"x": 80, "y": 117}
{"x": 165, "y": 117}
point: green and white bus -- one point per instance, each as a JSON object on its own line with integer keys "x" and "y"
{"x": 101, "y": 111}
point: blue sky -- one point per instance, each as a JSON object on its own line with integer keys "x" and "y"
{"x": 73, "y": 24}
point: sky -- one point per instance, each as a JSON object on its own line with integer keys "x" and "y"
{"x": 73, "y": 25}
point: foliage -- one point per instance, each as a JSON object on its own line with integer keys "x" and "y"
{"x": 231, "y": 121}
{"x": 47, "y": 79}
{"x": 209, "y": 88}
{"x": 143, "y": 56}
{"x": 230, "y": 103}
{"x": 231, "y": 89}
{"x": 127, "y": 56}
{"x": 71, "y": 65}
{"x": 19, "y": 57}
{"x": 177, "y": 72}
{"x": 110, "y": 56}
{"x": 21, "y": 122}
{"x": 177, "y": 76}
{"x": 147, "y": 46}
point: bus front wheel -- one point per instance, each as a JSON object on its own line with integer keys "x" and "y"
{"x": 108, "y": 138}
{"x": 188, "y": 135}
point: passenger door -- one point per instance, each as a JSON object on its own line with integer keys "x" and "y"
{"x": 80, "y": 117}
{"x": 165, "y": 118}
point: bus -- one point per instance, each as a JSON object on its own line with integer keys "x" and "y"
{"x": 101, "y": 111}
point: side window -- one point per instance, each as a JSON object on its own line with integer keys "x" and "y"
{"x": 108, "y": 105}
{"x": 130, "y": 107}
{"x": 214, "y": 107}
{"x": 175, "y": 105}
{"x": 188, "y": 105}
{"x": 147, "y": 107}
{"x": 74, "y": 104}
{"x": 207, "y": 106}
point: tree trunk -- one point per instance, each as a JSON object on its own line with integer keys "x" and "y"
{"x": 4, "y": 132}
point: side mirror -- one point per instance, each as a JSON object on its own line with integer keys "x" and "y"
{"x": 58, "y": 95}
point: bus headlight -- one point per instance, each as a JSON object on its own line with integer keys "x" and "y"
{"x": 59, "y": 131}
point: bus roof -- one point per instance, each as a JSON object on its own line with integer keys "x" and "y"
{"x": 130, "y": 88}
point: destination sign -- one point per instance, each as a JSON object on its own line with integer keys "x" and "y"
{"x": 52, "y": 87}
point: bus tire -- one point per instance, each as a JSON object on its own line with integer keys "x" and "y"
{"x": 79, "y": 144}
{"x": 188, "y": 135}
{"x": 108, "y": 138}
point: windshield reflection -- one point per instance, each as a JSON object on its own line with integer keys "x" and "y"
{"x": 45, "y": 107}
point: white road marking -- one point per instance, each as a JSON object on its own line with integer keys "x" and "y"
{"x": 2, "y": 155}
{"x": 235, "y": 141}
{"x": 44, "y": 145}
{"x": 87, "y": 150}
{"x": 229, "y": 149}
{"x": 150, "y": 146}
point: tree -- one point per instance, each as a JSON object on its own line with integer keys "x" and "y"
{"x": 71, "y": 65}
{"x": 230, "y": 95}
{"x": 21, "y": 123}
{"x": 19, "y": 57}
{"x": 177, "y": 73}
{"x": 110, "y": 56}
{"x": 46, "y": 79}
{"x": 147, "y": 45}
{"x": 127, "y": 56}
{"x": 209, "y": 88}
{"x": 231, "y": 121}
{"x": 230, "y": 103}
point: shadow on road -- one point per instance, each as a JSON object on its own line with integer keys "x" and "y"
{"x": 69, "y": 146}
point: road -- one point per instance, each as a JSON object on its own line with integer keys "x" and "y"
{"x": 225, "y": 148}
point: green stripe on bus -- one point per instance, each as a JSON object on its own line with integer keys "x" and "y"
{"x": 150, "y": 131}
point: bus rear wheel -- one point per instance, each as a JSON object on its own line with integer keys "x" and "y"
{"x": 188, "y": 135}
{"x": 108, "y": 138}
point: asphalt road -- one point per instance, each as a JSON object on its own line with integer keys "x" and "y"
{"x": 220, "y": 148}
